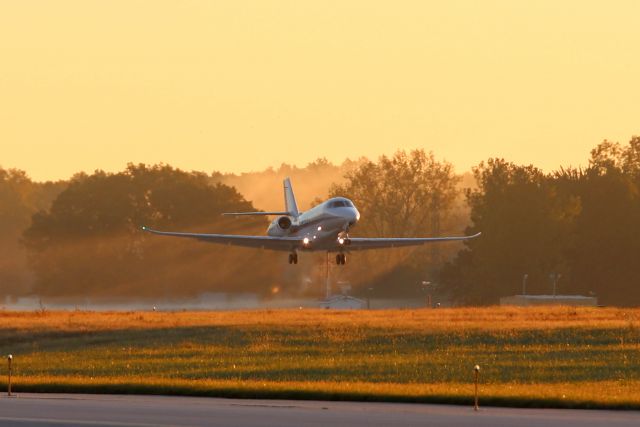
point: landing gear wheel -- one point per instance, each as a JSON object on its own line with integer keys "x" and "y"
{"x": 341, "y": 259}
{"x": 293, "y": 258}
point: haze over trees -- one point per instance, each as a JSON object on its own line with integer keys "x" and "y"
{"x": 89, "y": 242}
{"x": 81, "y": 237}
{"x": 20, "y": 198}
{"x": 310, "y": 183}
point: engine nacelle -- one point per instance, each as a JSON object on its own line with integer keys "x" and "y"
{"x": 280, "y": 227}
{"x": 284, "y": 222}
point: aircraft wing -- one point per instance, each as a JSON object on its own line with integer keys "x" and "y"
{"x": 264, "y": 242}
{"x": 362, "y": 243}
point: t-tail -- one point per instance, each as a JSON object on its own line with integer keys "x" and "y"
{"x": 289, "y": 204}
{"x": 290, "y": 199}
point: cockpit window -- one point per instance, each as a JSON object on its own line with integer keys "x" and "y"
{"x": 340, "y": 204}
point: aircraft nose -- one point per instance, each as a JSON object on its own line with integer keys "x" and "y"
{"x": 355, "y": 216}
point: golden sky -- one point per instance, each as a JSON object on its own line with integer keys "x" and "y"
{"x": 241, "y": 85}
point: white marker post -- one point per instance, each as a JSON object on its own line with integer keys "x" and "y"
{"x": 476, "y": 370}
{"x": 9, "y": 360}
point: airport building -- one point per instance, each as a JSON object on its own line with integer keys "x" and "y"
{"x": 528, "y": 300}
{"x": 343, "y": 302}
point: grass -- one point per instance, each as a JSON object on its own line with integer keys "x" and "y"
{"x": 538, "y": 357}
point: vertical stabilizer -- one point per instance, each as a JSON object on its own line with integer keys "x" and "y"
{"x": 289, "y": 199}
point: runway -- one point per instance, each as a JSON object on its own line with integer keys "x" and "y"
{"x": 119, "y": 410}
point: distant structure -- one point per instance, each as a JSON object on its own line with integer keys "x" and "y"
{"x": 343, "y": 302}
{"x": 527, "y": 300}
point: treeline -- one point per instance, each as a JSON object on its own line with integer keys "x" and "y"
{"x": 579, "y": 225}
{"x": 81, "y": 237}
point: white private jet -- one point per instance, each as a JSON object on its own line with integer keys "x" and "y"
{"x": 324, "y": 227}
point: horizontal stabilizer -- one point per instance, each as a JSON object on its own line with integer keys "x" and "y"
{"x": 255, "y": 213}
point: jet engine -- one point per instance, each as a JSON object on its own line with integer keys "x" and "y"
{"x": 284, "y": 222}
{"x": 281, "y": 226}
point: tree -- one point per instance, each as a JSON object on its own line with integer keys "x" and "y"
{"x": 522, "y": 220}
{"x": 408, "y": 194}
{"x": 19, "y": 199}
{"x": 89, "y": 242}
{"x": 605, "y": 240}
{"x": 580, "y": 223}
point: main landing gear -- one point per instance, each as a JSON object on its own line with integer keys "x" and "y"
{"x": 341, "y": 259}
{"x": 293, "y": 258}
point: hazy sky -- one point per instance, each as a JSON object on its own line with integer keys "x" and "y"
{"x": 242, "y": 85}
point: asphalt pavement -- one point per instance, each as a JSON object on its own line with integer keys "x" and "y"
{"x": 119, "y": 410}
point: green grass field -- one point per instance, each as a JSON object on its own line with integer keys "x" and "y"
{"x": 543, "y": 357}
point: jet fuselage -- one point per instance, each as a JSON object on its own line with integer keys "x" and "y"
{"x": 323, "y": 225}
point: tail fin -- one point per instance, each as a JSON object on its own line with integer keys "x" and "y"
{"x": 290, "y": 204}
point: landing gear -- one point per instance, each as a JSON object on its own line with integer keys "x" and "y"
{"x": 341, "y": 259}
{"x": 293, "y": 258}
{"x": 343, "y": 239}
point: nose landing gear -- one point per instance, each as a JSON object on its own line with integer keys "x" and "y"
{"x": 343, "y": 238}
{"x": 341, "y": 259}
{"x": 293, "y": 258}
{"x": 344, "y": 241}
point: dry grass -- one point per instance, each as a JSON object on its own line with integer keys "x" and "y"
{"x": 552, "y": 356}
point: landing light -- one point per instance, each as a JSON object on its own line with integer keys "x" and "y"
{"x": 305, "y": 241}
{"x": 319, "y": 228}
{"x": 341, "y": 241}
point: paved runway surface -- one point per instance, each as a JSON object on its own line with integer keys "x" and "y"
{"x": 109, "y": 410}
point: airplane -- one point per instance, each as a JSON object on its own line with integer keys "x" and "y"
{"x": 324, "y": 227}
